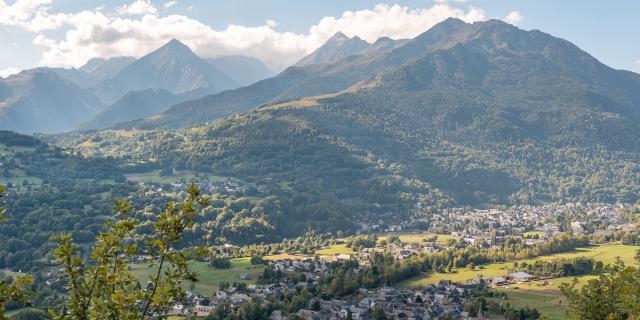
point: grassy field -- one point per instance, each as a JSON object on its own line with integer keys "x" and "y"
{"x": 546, "y": 298}
{"x": 604, "y": 253}
{"x": 209, "y": 277}
{"x": 176, "y": 177}
{"x": 335, "y": 249}
{"x": 415, "y": 237}
{"x": 286, "y": 256}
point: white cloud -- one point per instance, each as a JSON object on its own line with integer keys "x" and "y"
{"x": 98, "y": 34}
{"x": 8, "y": 72}
{"x": 514, "y": 17}
{"x": 456, "y": 1}
{"x": 139, "y": 7}
{"x": 271, "y": 23}
{"x": 170, "y": 4}
{"x": 29, "y": 14}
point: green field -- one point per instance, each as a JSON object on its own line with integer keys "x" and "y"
{"x": 335, "y": 249}
{"x": 10, "y": 151}
{"x": 177, "y": 177}
{"x": 415, "y": 237}
{"x": 544, "y": 297}
{"x": 604, "y": 253}
{"x": 209, "y": 277}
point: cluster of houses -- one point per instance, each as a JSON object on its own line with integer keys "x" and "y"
{"x": 445, "y": 301}
{"x": 547, "y": 220}
{"x": 434, "y": 302}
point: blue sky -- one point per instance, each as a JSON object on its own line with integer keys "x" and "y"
{"x": 69, "y": 32}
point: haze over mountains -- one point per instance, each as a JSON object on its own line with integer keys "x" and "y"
{"x": 464, "y": 114}
{"x": 119, "y": 89}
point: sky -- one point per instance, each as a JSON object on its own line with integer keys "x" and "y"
{"x": 67, "y": 33}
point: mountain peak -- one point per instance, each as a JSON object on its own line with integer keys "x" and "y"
{"x": 175, "y": 44}
{"x": 339, "y": 35}
{"x": 338, "y": 46}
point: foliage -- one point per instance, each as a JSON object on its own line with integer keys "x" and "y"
{"x": 220, "y": 262}
{"x": 613, "y": 295}
{"x": 102, "y": 287}
{"x": 12, "y": 290}
{"x": 558, "y": 268}
{"x": 3, "y": 218}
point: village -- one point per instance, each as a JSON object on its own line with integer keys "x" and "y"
{"x": 445, "y": 300}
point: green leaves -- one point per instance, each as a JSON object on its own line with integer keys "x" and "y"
{"x": 102, "y": 287}
{"x": 16, "y": 291}
{"x": 2, "y": 209}
{"x": 613, "y": 295}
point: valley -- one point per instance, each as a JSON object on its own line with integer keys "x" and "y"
{"x": 474, "y": 170}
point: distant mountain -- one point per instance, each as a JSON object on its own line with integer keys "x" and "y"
{"x": 337, "y": 47}
{"x": 313, "y": 79}
{"x": 471, "y": 114}
{"x": 383, "y": 45}
{"x": 137, "y": 105}
{"x": 172, "y": 67}
{"x": 40, "y": 100}
{"x": 243, "y": 70}
{"x": 102, "y": 69}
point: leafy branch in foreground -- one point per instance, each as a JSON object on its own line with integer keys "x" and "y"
{"x": 102, "y": 287}
{"x": 614, "y": 295}
{"x": 16, "y": 290}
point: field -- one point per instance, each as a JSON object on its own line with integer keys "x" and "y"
{"x": 177, "y": 177}
{"x": 415, "y": 237}
{"x": 209, "y": 277}
{"x": 286, "y": 256}
{"x": 546, "y": 298}
{"x": 335, "y": 249}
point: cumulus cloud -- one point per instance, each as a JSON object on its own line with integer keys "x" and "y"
{"x": 31, "y": 15}
{"x": 170, "y": 4}
{"x": 514, "y": 17}
{"x": 139, "y": 7}
{"x": 8, "y": 72}
{"x": 98, "y": 34}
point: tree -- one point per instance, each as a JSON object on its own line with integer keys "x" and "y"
{"x": 2, "y": 209}
{"x": 102, "y": 287}
{"x": 30, "y": 314}
{"x": 12, "y": 290}
{"x": 613, "y": 295}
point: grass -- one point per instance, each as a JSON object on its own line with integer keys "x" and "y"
{"x": 209, "y": 277}
{"x": 10, "y": 151}
{"x": 531, "y": 234}
{"x": 176, "y": 177}
{"x": 286, "y": 256}
{"x": 335, "y": 249}
{"x": 546, "y": 298}
{"x": 415, "y": 237}
{"x": 604, "y": 253}
{"x": 550, "y": 305}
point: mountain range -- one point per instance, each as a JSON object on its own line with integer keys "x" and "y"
{"x": 463, "y": 114}
{"x": 118, "y": 89}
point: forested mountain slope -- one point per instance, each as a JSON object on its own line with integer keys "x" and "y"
{"x": 494, "y": 115}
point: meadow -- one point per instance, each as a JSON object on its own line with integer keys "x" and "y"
{"x": 209, "y": 277}
{"x": 184, "y": 176}
{"x": 415, "y": 237}
{"x": 545, "y": 297}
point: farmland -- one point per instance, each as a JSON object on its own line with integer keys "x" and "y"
{"x": 545, "y": 297}
{"x": 209, "y": 277}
